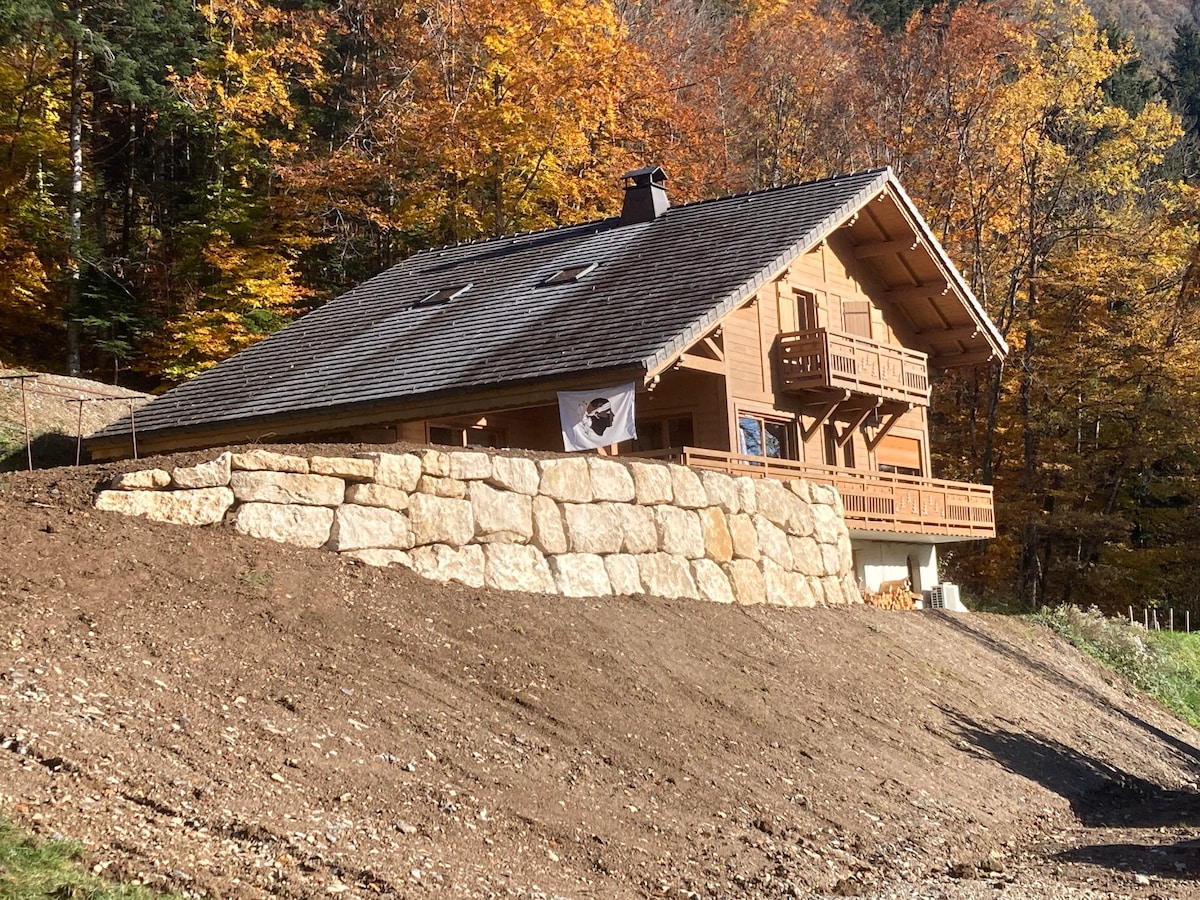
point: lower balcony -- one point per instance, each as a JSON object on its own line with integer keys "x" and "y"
{"x": 874, "y": 501}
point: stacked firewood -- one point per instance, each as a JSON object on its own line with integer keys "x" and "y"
{"x": 891, "y": 595}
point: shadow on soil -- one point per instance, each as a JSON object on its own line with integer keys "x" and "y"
{"x": 48, "y": 450}
{"x": 1101, "y": 796}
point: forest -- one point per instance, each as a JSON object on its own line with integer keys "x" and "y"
{"x": 179, "y": 178}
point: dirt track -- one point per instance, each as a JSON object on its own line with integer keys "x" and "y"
{"x": 236, "y": 718}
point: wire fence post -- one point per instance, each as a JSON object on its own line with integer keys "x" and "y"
{"x": 132, "y": 430}
{"x": 25, "y": 416}
{"x": 78, "y": 430}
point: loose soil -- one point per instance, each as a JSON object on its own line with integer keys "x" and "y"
{"x": 229, "y": 717}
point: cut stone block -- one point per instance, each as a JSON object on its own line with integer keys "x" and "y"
{"x": 145, "y": 480}
{"x": 831, "y": 560}
{"x": 807, "y": 557}
{"x": 440, "y": 520}
{"x": 711, "y": 581}
{"x": 395, "y": 470}
{"x": 638, "y": 526}
{"x": 440, "y": 562}
{"x": 747, "y": 498}
{"x": 746, "y": 579}
{"x": 364, "y": 527}
{"x": 549, "y": 535}
{"x": 266, "y": 461}
{"x": 270, "y": 486}
{"x": 592, "y": 528}
{"x": 304, "y": 526}
{"x": 470, "y": 465}
{"x": 686, "y": 489}
{"x": 203, "y": 506}
{"x": 665, "y": 575}
{"x": 799, "y": 487}
{"x": 623, "y": 573}
{"x": 500, "y": 515}
{"x": 568, "y": 480}
{"x": 517, "y": 567}
{"x": 651, "y": 483}
{"x": 350, "y": 468}
{"x": 442, "y": 487}
{"x": 434, "y": 463}
{"x": 514, "y": 473}
{"x": 679, "y": 531}
{"x": 773, "y": 542}
{"x": 381, "y": 558}
{"x": 610, "y": 480}
{"x": 775, "y": 502}
{"x": 377, "y": 495}
{"x": 827, "y": 495}
{"x": 204, "y": 475}
{"x": 718, "y": 543}
{"x": 580, "y": 575}
{"x": 720, "y": 490}
{"x": 784, "y": 588}
{"x": 744, "y": 536}
{"x": 828, "y": 526}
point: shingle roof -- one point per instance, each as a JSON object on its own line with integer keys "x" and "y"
{"x": 657, "y": 285}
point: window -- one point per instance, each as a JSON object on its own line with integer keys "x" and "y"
{"x": 838, "y": 454}
{"x": 443, "y": 295}
{"x": 659, "y": 434}
{"x": 806, "y": 311}
{"x": 762, "y": 436}
{"x": 899, "y": 455}
{"x": 569, "y": 275}
{"x": 466, "y": 435}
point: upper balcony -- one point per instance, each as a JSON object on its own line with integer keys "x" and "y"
{"x": 824, "y": 359}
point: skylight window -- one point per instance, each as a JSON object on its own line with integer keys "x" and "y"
{"x": 569, "y": 275}
{"x": 444, "y": 295}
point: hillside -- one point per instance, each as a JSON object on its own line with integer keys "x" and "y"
{"x": 234, "y": 718}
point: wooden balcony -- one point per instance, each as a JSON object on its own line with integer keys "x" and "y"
{"x": 874, "y": 501}
{"x": 824, "y": 359}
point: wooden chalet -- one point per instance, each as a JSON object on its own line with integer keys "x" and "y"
{"x": 786, "y": 332}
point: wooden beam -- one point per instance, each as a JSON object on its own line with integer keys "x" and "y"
{"x": 917, "y": 292}
{"x": 821, "y": 416}
{"x": 714, "y": 348}
{"x": 844, "y": 436}
{"x": 866, "y": 251}
{"x": 958, "y": 333}
{"x": 884, "y": 428}
{"x": 954, "y": 360}
{"x": 701, "y": 364}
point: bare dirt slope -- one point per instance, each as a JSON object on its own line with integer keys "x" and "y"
{"x": 240, "y": 719}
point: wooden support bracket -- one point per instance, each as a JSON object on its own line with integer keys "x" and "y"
{"x": 885, "y": 427}
{"x": 821, "y": 416}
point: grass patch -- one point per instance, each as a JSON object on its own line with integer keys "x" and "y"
{"x": 33, "y": 869}
{"x": 1164, "y": 664}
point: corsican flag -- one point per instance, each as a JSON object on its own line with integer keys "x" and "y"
{"x": 596, "y": 418}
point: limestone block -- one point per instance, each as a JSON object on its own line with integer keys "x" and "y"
{"x": 827, "y": 524}
{"x": 827, "y": 495}
{"x": 711, "y": 581}
{"x": 638, "y": 526}
{"x": 665, "y": 575}
{"x": 744, "y": 536}
{"x": 434, "y": 463}
{"x": 623, "y": 573}
{"x": 351, "y": 468}
{"x": 397, "y": 470}
{"x": 747, "y": 497}
{"x": 832, "y": 591}
{"x": 803, "y": 519}
{"x": 679, "y": 531}
{"x": 845, "y": 553}
{"x": 259, "y": 460}
{"x": 580, "y": 575}
{"x": 517, "y": 567}
{"x": 773, "y": 542}
{"x": 203, "y": 506}
{"x": 686, "y": 488}
{"x": 377, "y": 557}
{"x": 850, "y": 589}
{"x": 593, "y": 528}
{"x": 515, "y": 473}
{"x": 784, "y": 588}
{"x": 441, "y": 520}
{"x": 145, "y": 480}
{"x": 718, "y": 542}
{"x": 501, "y": 515}
{"x": 271, "y": 486}
{"x": 470, "y": 465}
{"x": 442, "y": 487}
{"x": 210, "y": 474}
{"x": 305, "y": 526}
{"x": 746, "y": 579}
{"x": 440, "y": 562}
{"x": 364, "y": 527}
{"x": 799, "y": 487}
{"x": 775, "y": 502}
{"x": 610, "y": 480}
{"x": 832, "y": 559}
{"x": 371, "y": 494}
{"x": 807, "y": 557}
{"x": 549, "y": 536}
{"x": 720, "y": 490}
{"x": 651, "y": 483}
{"x": 568, "y": 480}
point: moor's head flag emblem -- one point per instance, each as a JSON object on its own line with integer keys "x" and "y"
{"x": 598, "y": 418}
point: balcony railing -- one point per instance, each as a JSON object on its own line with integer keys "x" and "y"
{"x": 822, "y": 358}
{"x": 874, "y": 501}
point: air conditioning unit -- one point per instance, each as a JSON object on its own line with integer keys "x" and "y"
{"x": 945, "y": 596}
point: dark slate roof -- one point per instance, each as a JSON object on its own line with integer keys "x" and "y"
{"x": 657, "y": 286}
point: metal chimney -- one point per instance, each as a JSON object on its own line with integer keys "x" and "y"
{"x": 645, "y": 195}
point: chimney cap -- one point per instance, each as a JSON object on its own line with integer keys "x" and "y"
{"x": 646, "y": 175}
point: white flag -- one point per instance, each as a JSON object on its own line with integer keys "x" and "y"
{"x": 597, "y": 418}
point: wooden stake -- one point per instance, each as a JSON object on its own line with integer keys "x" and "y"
{"x": 25, "y": 415}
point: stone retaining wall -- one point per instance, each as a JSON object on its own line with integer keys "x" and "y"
{"x": 576, "y": 526}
